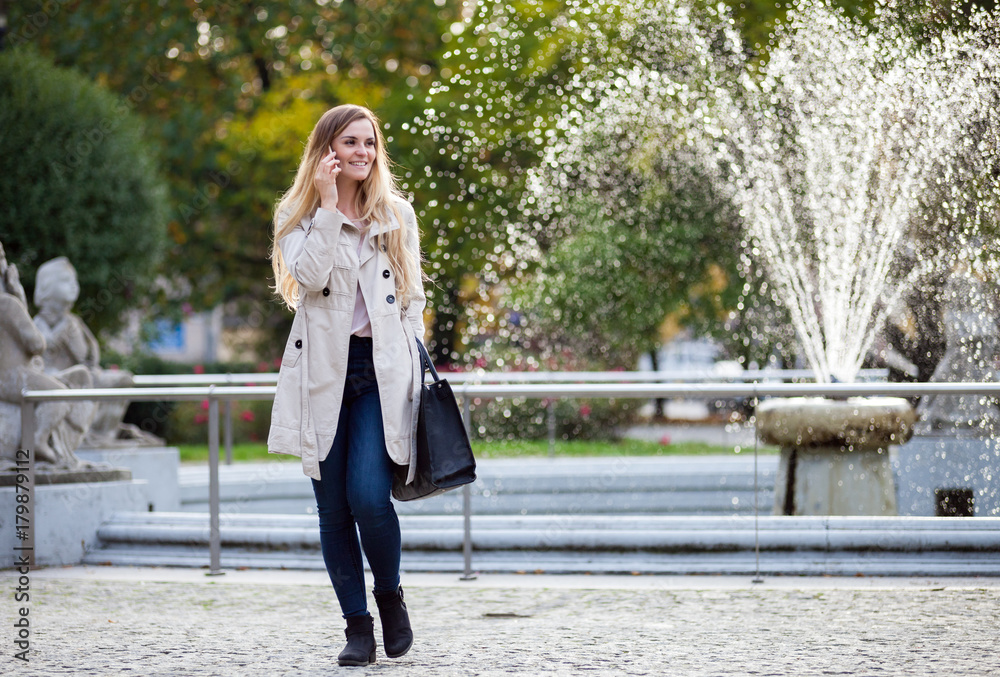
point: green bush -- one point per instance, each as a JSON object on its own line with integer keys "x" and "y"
{"x": 187, "y": 422}
{"x": 517, "y": 418}
{"x": 506, "y": 419}
{"x": 78, "y": 180}
{"x": 153, "y": 417}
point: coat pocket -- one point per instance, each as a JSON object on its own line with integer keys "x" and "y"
{"x": 292, "y": 354}
{"x": 341, "y": 278}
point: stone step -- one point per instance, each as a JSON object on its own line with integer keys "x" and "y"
{"x": 581, "y": 543}
{"x": 659, "y": 533}
{"x": 681, "y": 503}
{"x": 671, "y": 485}
{"x": 776, "y": 563}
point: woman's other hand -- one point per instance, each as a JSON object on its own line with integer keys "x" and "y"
{"x": 326, "y": 180}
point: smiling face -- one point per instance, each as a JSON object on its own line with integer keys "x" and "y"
{"x": 355, "y": 148}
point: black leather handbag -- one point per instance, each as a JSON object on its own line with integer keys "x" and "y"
{"x": 444, "y": 455}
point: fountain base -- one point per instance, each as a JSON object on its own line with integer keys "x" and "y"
{"x": 835, "y": 453}
{"x": 950, "y": 473}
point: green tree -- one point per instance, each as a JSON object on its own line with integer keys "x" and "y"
{"x": 757, "y": 19}
{"x": 229, "y": 91}
{"x": 484, "y": 125}
{"x": 77, "y": 179}
{"x": 596, "y": 237}
{"x": 611, "y": 257}
{"x": 605, "y": 291}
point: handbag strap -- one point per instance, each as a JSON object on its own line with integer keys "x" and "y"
{"x": 427, "y": 364}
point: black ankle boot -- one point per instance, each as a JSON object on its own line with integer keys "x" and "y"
{"x": 360, "y": 649}
{"x": 397, "y": 636}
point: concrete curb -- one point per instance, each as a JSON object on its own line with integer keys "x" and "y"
{"x": 598, "y": 533}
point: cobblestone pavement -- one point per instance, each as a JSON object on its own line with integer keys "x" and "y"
{"x": 122, "y": 621}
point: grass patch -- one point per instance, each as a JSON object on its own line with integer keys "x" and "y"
{"x": 248, "y": 451}
{"x": 193, "y": 453}
{"x": 574, "y": 448}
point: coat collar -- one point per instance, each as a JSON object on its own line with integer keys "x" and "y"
{"x": 368, "y": 248}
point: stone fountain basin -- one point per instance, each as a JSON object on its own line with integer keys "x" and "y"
{"x": 857, "y": 422}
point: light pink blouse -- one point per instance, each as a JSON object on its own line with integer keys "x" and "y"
{"x": 361, "y": 325}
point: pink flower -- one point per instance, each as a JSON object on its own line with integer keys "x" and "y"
{"x": 204, "y": 405}
{"x": 200, "y": 418}
{"x": 585, "y": 410}
{"x": 247, "y": 415}
{"x": 199, "y": 369}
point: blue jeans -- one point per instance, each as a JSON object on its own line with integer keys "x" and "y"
{"x": 354, "y": 489}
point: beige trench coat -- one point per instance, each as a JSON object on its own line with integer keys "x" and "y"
{"x": 322, "y": 255}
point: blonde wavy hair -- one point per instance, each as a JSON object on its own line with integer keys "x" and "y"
{"x": 376, "y": 199}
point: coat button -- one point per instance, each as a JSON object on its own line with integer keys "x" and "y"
{"x": 390, "y": 298}
{"x": 386, "y": 274}
{"x": 298, "y": 343}
{"x": 326, "y": 291}
{"x": 382, "y": 247}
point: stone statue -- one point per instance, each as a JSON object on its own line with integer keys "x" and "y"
{"x": 69, "y": 342}
{"x": 971, "y": 334}
{"x": 59, "y": 426}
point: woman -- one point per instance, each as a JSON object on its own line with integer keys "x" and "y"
{"x": 346, "y": 260}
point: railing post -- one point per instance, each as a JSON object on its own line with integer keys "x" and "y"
{"x": 467, "y": 415}
{"x": 551, "y": 416}
{"x": 467, "y": 503}
{"x": 214, "y": 535}
{"x": 227, "y": 409}
{"x": 28, "y": 445}
{"x": 756, "y": 494}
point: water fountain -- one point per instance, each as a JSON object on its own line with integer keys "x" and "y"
{"x": 832, "y": 189}
{"x": 833, "y": 186}
{"x": 851, "y": 155}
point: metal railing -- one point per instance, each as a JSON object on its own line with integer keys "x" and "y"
{"x": 465, "y": 391}
{"x": 454, "y": 377}
{"x": 478, "y": 376}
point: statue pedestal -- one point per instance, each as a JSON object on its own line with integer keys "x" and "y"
{"x": 65, "y": 476}
{"x": 157, "y": 465}
{"x": 835, "y": 453}
{"x": 952, "y": 474}
{"x": 66, "y": 517}
{"x": 70, "y": 505}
